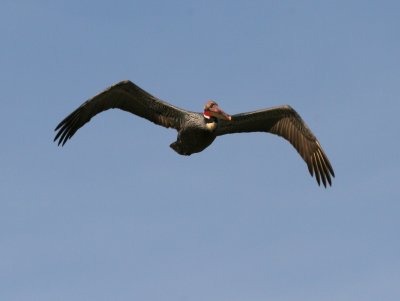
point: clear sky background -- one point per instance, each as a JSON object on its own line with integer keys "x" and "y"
{"x": 117, "y": 215}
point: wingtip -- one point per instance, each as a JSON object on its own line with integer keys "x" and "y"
{"x": 57, "y": 127}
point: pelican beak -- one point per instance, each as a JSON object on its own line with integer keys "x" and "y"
{"x": 216, "y": 112}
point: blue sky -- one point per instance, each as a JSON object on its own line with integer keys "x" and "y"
{"x": 117, "y": 215}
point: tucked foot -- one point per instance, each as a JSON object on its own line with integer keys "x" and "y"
{"x": 176, "y": 146}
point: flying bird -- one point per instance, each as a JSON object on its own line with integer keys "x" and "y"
{"x": 196, "y": 131}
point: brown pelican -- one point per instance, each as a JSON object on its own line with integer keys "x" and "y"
{"x": 196, "y": 131}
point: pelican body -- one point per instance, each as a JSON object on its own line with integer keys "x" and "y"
{"x": 199, "y": 130}
{"x": 196, "y": 131}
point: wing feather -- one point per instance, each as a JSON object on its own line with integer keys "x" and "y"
{"x": 284, "y": 121}
{"x": 126, "y": 96}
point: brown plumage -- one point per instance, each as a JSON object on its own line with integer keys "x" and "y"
{"x": 285, "y": 122}
{"x": 196, "y": 131}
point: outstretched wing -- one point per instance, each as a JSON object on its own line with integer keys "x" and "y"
{"x": 126, "y": 96}
{"x": 287, "y": 123}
